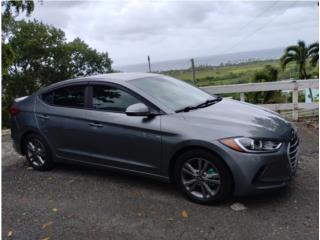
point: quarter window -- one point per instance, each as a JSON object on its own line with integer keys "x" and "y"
{"x": 71, "y": 96}
{"x": 110, "y": 98}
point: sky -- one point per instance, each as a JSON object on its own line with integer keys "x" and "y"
{"x": 131, "y": 30}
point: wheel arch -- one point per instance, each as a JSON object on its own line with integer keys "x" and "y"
{"x": 27, "y": 133}
{"x": 176, "y": 155}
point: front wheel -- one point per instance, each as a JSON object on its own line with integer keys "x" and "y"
{"x": 203, "y": 177}
{"x": 38, "y": 153}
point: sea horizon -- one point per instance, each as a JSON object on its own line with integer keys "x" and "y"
{"x": 211, "y": 60}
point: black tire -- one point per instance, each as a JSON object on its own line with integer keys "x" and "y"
{"x": 222, "y": 192}
{"x": 38, "y": 142}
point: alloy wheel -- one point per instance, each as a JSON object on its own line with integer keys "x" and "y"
{"x": 200, "y": 178}
{"x": 36, "y": 152}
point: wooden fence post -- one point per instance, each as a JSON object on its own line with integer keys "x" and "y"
{"x": 242, "y": 97}
{"x": 193, "y": 72}
{"x": 295, "y": 100}
{"x": 149, "y": 64}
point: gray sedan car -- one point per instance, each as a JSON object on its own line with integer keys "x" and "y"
{"x": 160, "y": 127}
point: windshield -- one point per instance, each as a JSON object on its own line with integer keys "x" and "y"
{"x": 171, "y": 92}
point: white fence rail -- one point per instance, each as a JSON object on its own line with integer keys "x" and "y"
{"x": 294, "y": 85}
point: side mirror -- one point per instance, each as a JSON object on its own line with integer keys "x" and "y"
{"x": 138, "y": 109}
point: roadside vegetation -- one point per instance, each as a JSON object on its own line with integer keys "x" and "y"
{"x": 239, "y": 73}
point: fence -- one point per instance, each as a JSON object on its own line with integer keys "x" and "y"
{"x": 293, "y": 85}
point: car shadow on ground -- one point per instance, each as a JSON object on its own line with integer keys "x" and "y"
{"x": 142, "y": 183}
{"x": 116, "y": 177}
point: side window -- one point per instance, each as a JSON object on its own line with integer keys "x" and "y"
{"x": 48, "y": 97}
{"x": 110, "y": 98}
{"x": 71, "y": 96}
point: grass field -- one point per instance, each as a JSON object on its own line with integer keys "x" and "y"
{"x": 235, "y": 74}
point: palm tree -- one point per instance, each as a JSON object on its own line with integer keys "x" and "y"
{"x": 313, "y": 52}
{"x": 300, "y": 54}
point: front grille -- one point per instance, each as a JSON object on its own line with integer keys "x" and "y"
{"x": 293, "y": 151}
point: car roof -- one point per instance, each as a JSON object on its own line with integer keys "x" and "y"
{"x": 121, "y": 76}
{"x": 108, "y": 77}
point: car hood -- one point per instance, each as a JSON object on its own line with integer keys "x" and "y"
{"x": 234, "y": 118}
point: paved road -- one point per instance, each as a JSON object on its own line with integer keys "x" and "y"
{"x": 78, "y": 203}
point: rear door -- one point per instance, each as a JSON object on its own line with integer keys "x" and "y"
{"x": 61, "y": 118}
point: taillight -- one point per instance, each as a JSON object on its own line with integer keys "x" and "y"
{"x": 14, "y": 111}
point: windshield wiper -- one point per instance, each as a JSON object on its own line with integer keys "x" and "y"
{"x": 201, "y": 105}
{"x": 186, "y": 109}
{"x": 209, "y": 102}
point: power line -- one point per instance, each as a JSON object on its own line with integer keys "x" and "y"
{"x": 259, "y": 29}
{"x": 259, "y": 15}
{"x": 251, "y": 21}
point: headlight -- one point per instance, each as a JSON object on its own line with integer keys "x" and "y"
{"x": 243, "y": 144}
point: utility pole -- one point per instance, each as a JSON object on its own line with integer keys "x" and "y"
{"x": 149, "y": 64}
{"x": 193, "y": 72}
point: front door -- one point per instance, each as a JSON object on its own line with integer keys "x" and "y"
{"x": 118, "y": 140}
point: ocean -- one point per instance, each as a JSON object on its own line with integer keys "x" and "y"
{"x": 214, "y": 60}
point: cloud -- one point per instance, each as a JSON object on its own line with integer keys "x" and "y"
{"x": 131, "y": 30}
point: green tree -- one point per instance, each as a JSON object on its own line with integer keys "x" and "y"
{"x": 42, "y": 51}
{"x": 87, "y": 61}
{"x": 8, "y": 57}
{"x": 267, "y": 74}
{"x": 10, "y": 10}
{"x": 38, "y": 49}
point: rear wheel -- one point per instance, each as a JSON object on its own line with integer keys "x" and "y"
{"x": 38, "y": 153}
{"x": 203, "y": 177}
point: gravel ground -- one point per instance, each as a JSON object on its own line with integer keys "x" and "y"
{"x": 72, "y": 202}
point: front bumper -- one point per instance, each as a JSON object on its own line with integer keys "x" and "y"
{"x": 255, "y": 173}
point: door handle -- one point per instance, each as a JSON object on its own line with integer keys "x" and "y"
{"x": 44, "y": 117}
{"x": 98, "y": 125}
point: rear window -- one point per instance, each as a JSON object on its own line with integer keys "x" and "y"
{"x": 71, "y": 96}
